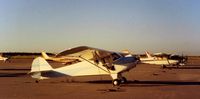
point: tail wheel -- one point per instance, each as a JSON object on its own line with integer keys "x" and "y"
{"x": 123, "y": 80}
{"x": 36, "y": 81}
{"x": 116, "y": 82}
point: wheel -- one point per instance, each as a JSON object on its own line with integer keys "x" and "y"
{"x": 37, "y": 81}
{"x": 123, "y": 80}
{"x": 116, "y": 82}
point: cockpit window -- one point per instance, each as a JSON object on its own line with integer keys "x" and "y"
{"x": 105, "y": 58}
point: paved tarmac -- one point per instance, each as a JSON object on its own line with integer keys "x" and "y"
{"x": 144, "y": 82}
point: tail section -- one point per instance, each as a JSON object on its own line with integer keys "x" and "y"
{"x": 39, "y": 65}
{"x": 45, "y": 56}
{"x": 148, "y": 54}
{"x": 3, "y": 58}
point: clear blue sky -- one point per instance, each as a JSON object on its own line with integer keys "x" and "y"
{"x": 171, "y": 26}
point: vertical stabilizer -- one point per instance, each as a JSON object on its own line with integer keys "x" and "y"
{"x": 148, "y": 54}
{"x": 38, "y": 65}
{"x": 45, "y": 56}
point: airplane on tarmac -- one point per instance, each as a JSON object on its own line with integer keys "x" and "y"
{"x": 63, "y": 59}
{"x": 164, "y": 59}
{"x": 92, "y": 61}
{"x": 3, "y": 58}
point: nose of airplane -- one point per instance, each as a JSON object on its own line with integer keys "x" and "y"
{"x": 135, "y": 59}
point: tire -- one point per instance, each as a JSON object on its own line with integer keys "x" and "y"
{"x": 116, "y": 82}
{"x": 123, "y": 80}
{"x": 37, "y": 81}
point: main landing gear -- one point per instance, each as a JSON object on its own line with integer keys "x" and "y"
{"x": 118, "y": 79}
{"x": 117, "y": 82}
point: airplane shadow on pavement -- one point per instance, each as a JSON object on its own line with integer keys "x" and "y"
{"x": 12, "y": 74}
{"x": 183, "y": 67}
{"x": 138, "y": 83}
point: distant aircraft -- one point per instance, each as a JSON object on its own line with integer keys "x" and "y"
{"x": 163, "y": 59}
{"x": 63, "y": 59}
{"x": 92, "y": 61}
{"x": 3, "y": 58}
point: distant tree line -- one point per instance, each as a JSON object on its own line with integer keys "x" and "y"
{"x": 10, "y": 54}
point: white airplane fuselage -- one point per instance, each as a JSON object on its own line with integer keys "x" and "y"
{"x": 159, "y": 62}
{"x": 3, "y": 58}
{"x": 86, "y": 68}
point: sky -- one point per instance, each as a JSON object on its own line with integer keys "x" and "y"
{"x": 171, "y": 26}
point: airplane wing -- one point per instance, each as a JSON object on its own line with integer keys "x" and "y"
{"x": 88, "y": 53}
{"x": 161, "y": 55}
{"x": 84, "y": 51}
{"x": 76, "y": 52}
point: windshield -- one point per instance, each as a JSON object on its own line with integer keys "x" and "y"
{"x": 115, "y": 56}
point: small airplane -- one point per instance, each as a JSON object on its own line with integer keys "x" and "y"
{"x": 63, "y": 59}
{"x": 3, "y": 58}
{"x": 92, "y": 61}
{"x": 164, "y": 59}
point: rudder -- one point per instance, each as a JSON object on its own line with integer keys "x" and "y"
{"x": 45, "y": 56}
{"x": 148, "y": 54}
{"x": 38, "y": 65}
